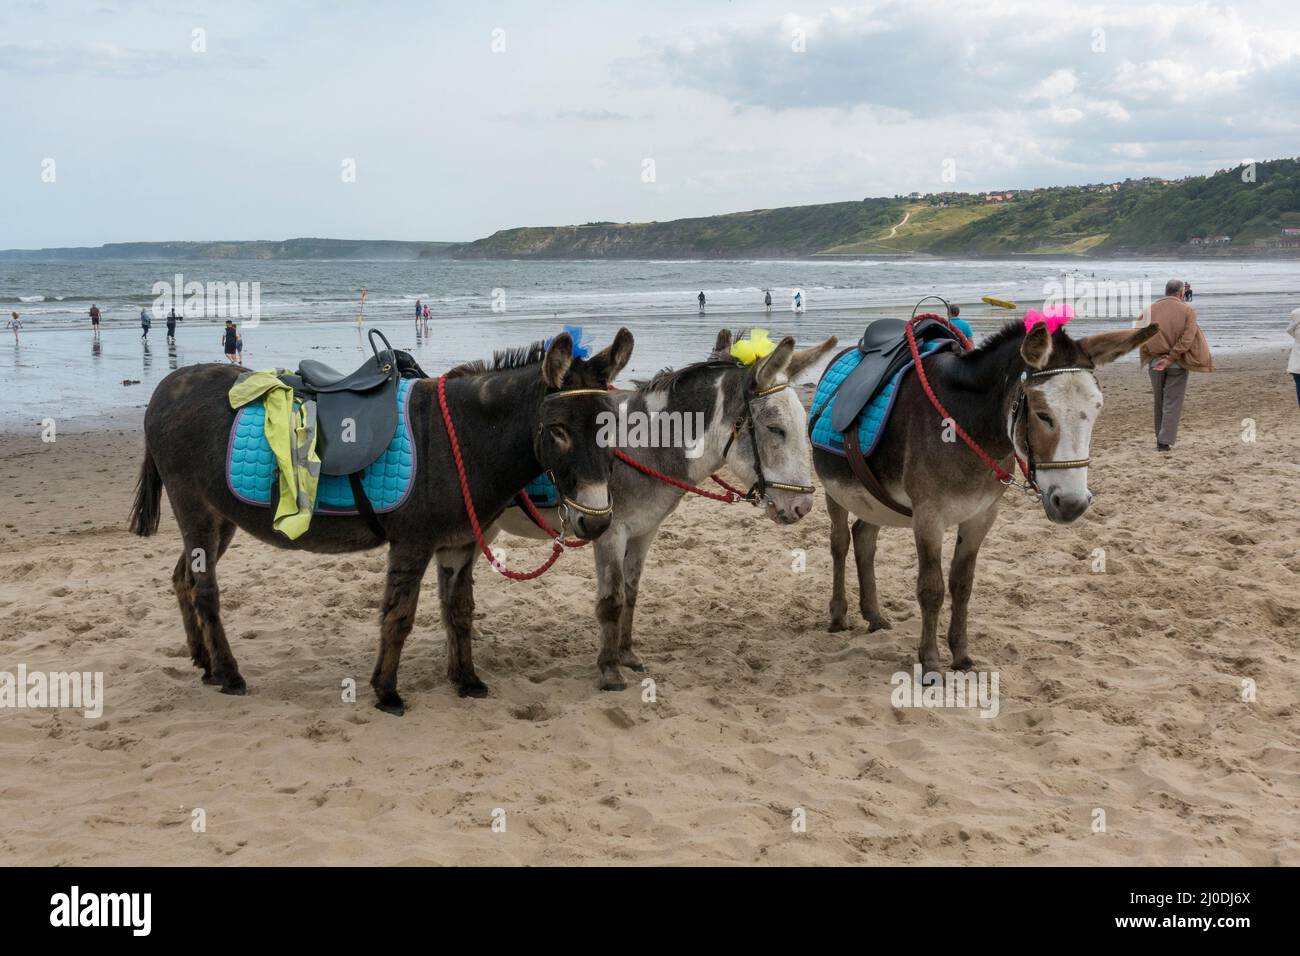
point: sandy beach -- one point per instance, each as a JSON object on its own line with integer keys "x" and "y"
{"x": 1121, "y": 690}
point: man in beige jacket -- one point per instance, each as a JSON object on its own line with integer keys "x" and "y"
{"x": 1179, "y": 348}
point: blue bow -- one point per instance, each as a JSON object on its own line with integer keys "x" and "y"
{"x": 581, "y": 349}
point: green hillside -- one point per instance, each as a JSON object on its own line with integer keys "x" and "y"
{"x": 1144, "y": 216}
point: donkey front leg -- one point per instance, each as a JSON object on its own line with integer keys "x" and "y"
{"x": 961, "y": 580}
{"x": 839, "y": 556}
{"x": 611, "y": 549}
{"x": 633, "y": 565}
{"x": 864, "y": 556}
{"x": 456, "y": 591}
{"x": 406, "y": 567}
{"x": 927, "y": 528}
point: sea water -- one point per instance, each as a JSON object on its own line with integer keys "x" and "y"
{"x": 58, "y": 370}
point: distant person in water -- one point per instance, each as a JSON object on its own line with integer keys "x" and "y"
{"x": 701, "y": 298}
{"x": 798, "y": 300}
{"x": 419, "y": 314}
{"x": 1294, "y": 365}
{"x": 1178, "y": 349}
{"x": 94, "y": 317}
{"x": 953, "y": 312}
{"x": 16, "y": 324}
{"x": 145, "y": 324}
{"x": 1187, "y": 292}
{"x": 230, "y": 342}
{"x": 172, "y": 319}
{"x": 767, "y": 300}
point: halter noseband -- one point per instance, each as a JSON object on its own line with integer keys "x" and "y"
{"x": 758, "y": 490}
{"x": 1034, "y": 466}
{"x": 567, "y": 503}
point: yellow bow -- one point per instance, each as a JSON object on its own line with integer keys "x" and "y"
{"x": 748, "y": 351}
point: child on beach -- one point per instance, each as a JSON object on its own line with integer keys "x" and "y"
{"x": 16, "y": 324}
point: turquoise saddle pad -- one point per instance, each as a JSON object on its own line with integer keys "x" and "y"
{"x": 541, "y": 492}
{"x": 871, "y": 420}
{"x": 251, "y": 469}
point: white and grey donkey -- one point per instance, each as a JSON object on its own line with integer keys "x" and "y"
{"x": 719, "y": 390}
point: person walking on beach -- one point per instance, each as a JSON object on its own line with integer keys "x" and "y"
{"x": 701, "y": 302}
{"x": 239, "y": 346}
{"x": 419, "y": 312}
{"x": 145, "y": 324}
{"x": 172, "y": 319}
{"x": 1187, "y": 292}
{"x": 1294, "y": 365}
{"x": 1177, "y": 349}
{"x": 230, "y": 342}
{"x": 425, "y": 317}
{"x": 16, "y": 324}
{"x": 94, "y": 318}
{"x": 767, "y": 301}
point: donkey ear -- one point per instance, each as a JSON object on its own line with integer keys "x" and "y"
{"x": 801, "y": 360}
{"x": 559, "y": 357}
{"x": 1105, "y": 347}
{"x": 722, "y": 345}
{"x": 1036, "y": 349}
{"x": 608, "y": 362}
{"x": 773, "y": 369}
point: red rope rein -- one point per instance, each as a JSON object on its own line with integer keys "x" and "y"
{"x": 497, "y": 566}
{"x": 730, "y": 496}
{"x": 1003, "y": 475}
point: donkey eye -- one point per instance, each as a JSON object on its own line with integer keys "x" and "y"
{"x": 776, "y": 430}
{"x": 1046, "y": 419}
{"x": 559, "y": 434}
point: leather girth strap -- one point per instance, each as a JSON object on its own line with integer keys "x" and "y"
{"x": 364, "y": 508}
{"x": 853, "y": 450}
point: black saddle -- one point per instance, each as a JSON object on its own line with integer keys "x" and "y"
{"x": 884, "y": 351}
{"x": 356, "y": 414}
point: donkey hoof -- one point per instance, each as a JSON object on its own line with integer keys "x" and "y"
{"x": 963, "y": 664}
{"x": 474, "y": 688}
{"x": 236, "y": 687}
{"x": 631, "y": 662}
{"x": 836, "y": 626}
{"x": 878, "y": 623}
{"x": 612, "y": 679}
{"x": 207, "y": 678}
{"x": 391, "y": 703}
{"x": 930, "y": 676}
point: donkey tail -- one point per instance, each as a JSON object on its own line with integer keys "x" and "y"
{"x": 148, "y": 494}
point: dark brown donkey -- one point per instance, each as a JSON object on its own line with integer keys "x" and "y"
{"x": 530, "y": 410}
{"x": 1032, "y": 394}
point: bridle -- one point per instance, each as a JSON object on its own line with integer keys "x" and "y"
{"x": 567, "y": 504}
{"x": 758, "y": 490}
{"x": 1033, "y": 465}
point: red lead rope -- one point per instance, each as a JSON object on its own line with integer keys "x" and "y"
{"x": 1004, "y": 476}
{"x": 558, "y": 548}
{"x": 730, "y": 495}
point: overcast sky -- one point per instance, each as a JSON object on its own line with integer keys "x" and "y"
{"x": 739, "y": 105}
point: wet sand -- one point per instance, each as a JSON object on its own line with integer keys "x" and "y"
{"x": 1120, "y": 691}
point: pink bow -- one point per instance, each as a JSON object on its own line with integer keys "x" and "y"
{"x": 1054, "y": 316}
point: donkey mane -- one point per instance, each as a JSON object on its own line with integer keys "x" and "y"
{"x": 997, "y": 354}
{"x": 502, "y": 360}
{"x": 668, "y": 378}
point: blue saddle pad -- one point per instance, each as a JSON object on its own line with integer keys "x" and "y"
{"x": 251, "y": 469}
{"x": 871, "y": 420}
{"x": 541, "y": 492}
